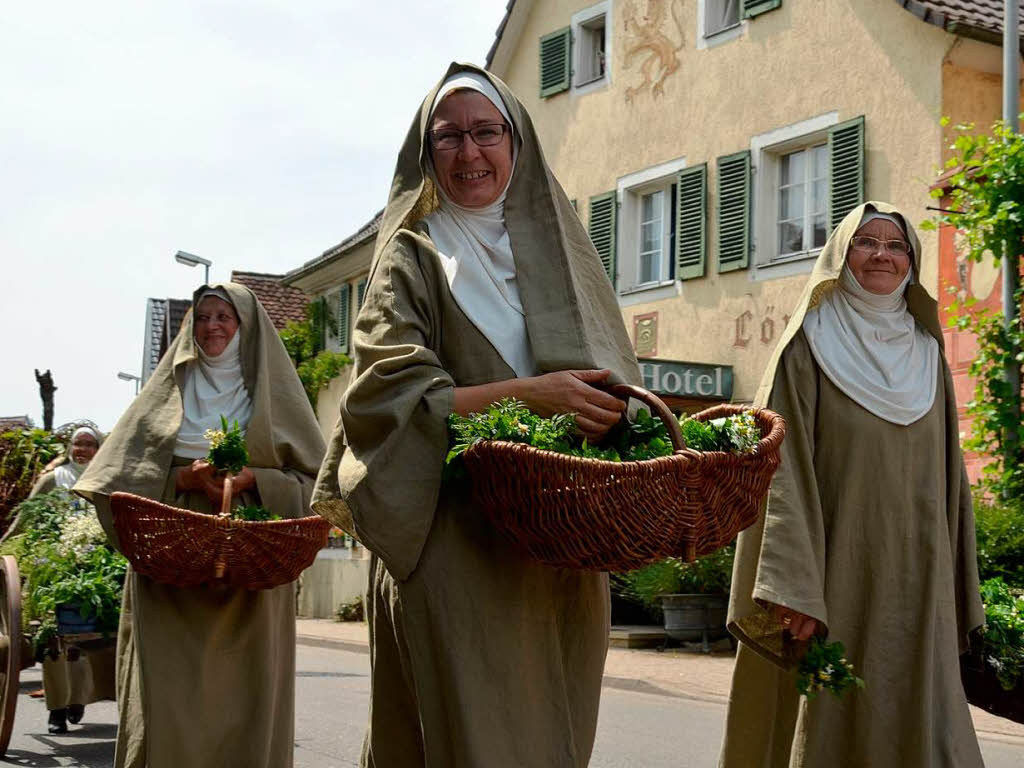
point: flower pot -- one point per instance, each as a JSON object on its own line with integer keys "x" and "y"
{"x": 983, "y": 689}
{"x": 693, "y": 618}
{"x": 71, "y": 622}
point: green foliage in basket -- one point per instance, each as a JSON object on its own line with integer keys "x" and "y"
{"x": 733, "y": 434}
{"x": 824, "y": 668}
{"x": 253, "y": 513}
{"x": 1003, "y": 634}
{"x": 64, "y": 557}
{"x": 999, "y": 527}
{"x": 228, "y": 452}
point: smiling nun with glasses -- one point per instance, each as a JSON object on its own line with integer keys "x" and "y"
{"x": 484, "y": 285}
{"x": 868, "y": 537}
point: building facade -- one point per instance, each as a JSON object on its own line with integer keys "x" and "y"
{"x": 710, "y": 146}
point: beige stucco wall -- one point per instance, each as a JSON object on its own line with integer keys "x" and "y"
{"x": 328, "y": 403}
{"x": 972, "y": 87}
{"x": 806, "y": 59}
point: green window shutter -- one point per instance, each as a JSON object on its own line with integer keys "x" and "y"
{"x": 846, "y": 169}
{"x": 601, "y": 227}
{"x": 319, "y": 326}
{"x": 555, "y": 50}
{"x": 734, "y": 211}
{"x": 757, "y": 7}
{"x": 360, "y": 293}
{"x": 691, "y": 221}
{"x": 344, "y": 315}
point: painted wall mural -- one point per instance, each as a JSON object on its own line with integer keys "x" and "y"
{"x": 654, "y": 39}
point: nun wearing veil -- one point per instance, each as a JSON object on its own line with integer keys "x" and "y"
{"x": 70, "y": 686}
{"x": 206, "y": 676}
{"x": 868, "y": 537}
{"x": 484, "y": 285}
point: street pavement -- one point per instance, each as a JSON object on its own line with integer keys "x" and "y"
{"x": 644, "y": 723}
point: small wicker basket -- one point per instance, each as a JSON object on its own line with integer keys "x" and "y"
{"x": 592, "y": 514}
{"x": 187, "y": 549}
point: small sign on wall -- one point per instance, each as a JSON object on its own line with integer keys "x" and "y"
{"x": 697, "y": 380}
{"x": 645, "y": 334}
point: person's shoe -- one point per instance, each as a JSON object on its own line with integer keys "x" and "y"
{"x": 58, "y": 721}
{"x": 75, "y": 713}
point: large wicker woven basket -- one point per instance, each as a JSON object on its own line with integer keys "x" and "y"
{"x": 613, "y": 516}
{"x": 186, "y": 549}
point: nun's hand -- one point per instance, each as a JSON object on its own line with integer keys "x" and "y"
{"x": 573, "y": 392}
{"x": 193, "y": 477}
{"x": 799, "y": 625}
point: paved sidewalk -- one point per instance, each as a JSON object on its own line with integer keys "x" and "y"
{"x": 674, "y": 672}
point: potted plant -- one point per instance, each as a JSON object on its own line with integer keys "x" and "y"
{"x": 692, "y": 598}
{"x": 993, "y": 672}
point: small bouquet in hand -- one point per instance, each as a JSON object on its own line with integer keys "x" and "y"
{"x": 228, "y": 452}
{"x": 824, "y": 668}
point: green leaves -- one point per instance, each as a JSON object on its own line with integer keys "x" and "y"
{"x": 303, "y": 341}
{"x": 1003, "y": 634}
{"x": 228, "y": 452}
{"x": 63, "y": 557}
{"x": 253, "y": 513}
{"x": 708, "y": 575}
{"x": 824, "y": 668}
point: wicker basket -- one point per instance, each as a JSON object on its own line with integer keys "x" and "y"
{"x": 614, "y": 516}
{"x": 186, "y": 549}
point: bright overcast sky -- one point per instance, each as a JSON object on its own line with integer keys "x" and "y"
{"x": 255, "y": 133}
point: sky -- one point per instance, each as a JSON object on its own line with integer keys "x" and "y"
{"x": 254, "y": 133}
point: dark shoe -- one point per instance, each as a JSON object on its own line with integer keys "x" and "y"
{"x": 75, "y": 712}
{"x": 58, "y": 721}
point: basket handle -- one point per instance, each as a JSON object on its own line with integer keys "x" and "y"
{"x": 225, "y": 499}
{"x": 219, "y": 563}
{"x": 657, "y": 405}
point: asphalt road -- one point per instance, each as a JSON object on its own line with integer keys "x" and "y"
{"x": 636, "y": 730}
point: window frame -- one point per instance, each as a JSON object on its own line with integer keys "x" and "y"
{"x": 766, "y": 151}
{"x": 807, "y": 182}
{"x": 580, "y": 20}
{"x": 706, "y": 39}
{"x": 630, "y": 190}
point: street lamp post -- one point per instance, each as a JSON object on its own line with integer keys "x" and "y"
{"x": 130, "y": 377}
{"x": 191, "y": 260}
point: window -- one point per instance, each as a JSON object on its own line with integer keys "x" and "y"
{"x": 656, "y": 231}
{"x": 591, "y": 47}
{"x": 806, "y": 177}
{"x": 649, "y": 254}
{"x": 802, "y": 201}
{"x": 720, "y": 15}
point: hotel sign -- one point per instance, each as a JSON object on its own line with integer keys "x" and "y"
{"x": 697, "y": 380}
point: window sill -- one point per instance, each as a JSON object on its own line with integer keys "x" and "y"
{"x": 724, "y": 35}
{"x": 648, "y": 292}
{"x": 590, "y": 86}
{"x": 792, "y": 264}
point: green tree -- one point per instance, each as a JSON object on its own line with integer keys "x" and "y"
{"x": 987, "y": 208}
{"x": 304, "y": 342}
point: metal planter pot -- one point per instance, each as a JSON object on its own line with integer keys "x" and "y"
{"x": 693, "y": 618}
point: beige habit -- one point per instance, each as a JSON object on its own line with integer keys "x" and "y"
{"x": 206, "y": 676}
{"x": 480, "y": 656}
{"x": 868, "y": 529}
{"x": 88, "y": 679}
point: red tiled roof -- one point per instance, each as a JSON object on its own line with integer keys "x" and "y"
{"x": 984, "y": 18}
{"x": 282, "y": 302}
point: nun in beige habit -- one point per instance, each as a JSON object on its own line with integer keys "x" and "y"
{"x": 206, "y": 676}
{"x": 71, "y": 685}
{"x": 868, "y": 537}
{"x": 483, "y": 285}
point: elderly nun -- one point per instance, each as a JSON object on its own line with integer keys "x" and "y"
{"x": 868, "y": 537}
{"x": 484, "y": 285}
{"x": 206, "y": 676}
{"x": 71, "y": 685}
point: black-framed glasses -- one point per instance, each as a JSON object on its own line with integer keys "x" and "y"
{"x": 485, "y": 135}
{"x": 873, "y": 245}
